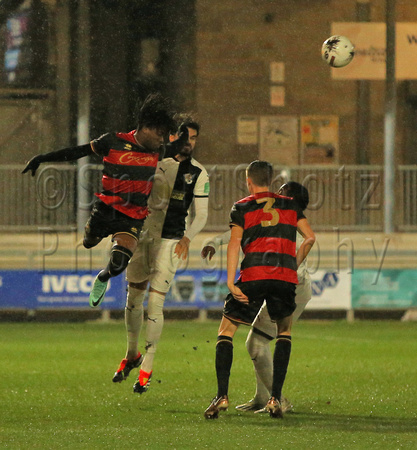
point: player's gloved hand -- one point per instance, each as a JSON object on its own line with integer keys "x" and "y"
{"x": 33, "y": 165}
{"x": 173, "y": 148}
{"x": 209, "y": 251}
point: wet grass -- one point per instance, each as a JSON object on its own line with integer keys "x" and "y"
{"x": 353, "y": 386}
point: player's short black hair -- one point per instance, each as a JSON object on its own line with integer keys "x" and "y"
{"x": 187, "y": 119}
{"x": 297, "y": 191}
{"x": 156, "y": 112}
{"x": 260, "y": 172}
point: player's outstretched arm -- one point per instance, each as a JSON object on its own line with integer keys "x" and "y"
{"x": 305, "y": 230}
{"x": 210, "y": 250}
{"x": 66, "y": 154}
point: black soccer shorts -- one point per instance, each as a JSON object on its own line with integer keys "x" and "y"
{"x": 279, "y": 296}
{"x": 105, "y": 221}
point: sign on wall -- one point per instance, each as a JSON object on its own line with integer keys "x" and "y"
{"x": 369, "y": 39}
{"x": 247, "y": 130}
{"x": 319, "y": 140}
{"x": 278, "y": 139}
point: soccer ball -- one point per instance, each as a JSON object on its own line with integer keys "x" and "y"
{"x": 337, "y": 51}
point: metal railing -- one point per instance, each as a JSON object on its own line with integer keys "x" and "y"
{"x": 346, "y": 197}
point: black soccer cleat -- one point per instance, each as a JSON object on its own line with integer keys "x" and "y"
{"x": 143, "y": 382}
{"x": 125, "y": 368}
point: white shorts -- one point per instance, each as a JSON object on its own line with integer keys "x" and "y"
{"x": 154, "y": 260}
{"x": 264, "y": 323}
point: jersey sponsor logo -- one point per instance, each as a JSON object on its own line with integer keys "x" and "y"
{"x": 188, "y": 178}
{"x": 72, "y": 284}
{"x": 127, "y": 147}
{"x": 131, "y": 158}
{"x": 177, "y": 195}
{"x": 207, "y": 188}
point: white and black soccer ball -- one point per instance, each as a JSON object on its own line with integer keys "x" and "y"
{"x": 337, "y": 51}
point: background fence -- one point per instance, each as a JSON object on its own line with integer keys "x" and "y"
{"x": 346, "y": 197}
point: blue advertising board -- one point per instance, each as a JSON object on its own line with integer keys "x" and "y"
{"x": 31, "y": 289}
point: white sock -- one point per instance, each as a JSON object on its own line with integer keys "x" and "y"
{"x": 133, "y": 319}
{"x": 259, "y": 351}
{"x": 154, "y": 327}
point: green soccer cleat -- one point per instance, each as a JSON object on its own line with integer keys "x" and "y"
{"x": 98, "y": 292}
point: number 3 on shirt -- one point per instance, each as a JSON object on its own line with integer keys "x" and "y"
{"x": 268, "y": 209}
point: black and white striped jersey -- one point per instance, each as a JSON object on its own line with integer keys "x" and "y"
{"x": 175, "y": 186}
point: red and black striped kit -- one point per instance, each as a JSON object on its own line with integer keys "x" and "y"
{"x": 128, "y": 173}
{"x": 269, "y": 223}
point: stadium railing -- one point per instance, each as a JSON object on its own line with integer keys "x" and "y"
{"x": 347, "y": 197}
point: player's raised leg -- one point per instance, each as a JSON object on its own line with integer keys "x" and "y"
{"x": 121, "y": 252}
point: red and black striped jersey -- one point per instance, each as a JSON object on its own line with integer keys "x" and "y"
{"x": 127, "y": 174}
{"x": 269, "y": 223}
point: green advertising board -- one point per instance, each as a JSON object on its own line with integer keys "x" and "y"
{"x": 384, "y": 289}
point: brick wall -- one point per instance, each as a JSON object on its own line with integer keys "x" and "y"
{"x": 237, "y": 40}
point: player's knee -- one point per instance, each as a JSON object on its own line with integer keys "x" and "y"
{"x": 119, "y": 260}
{"x": 156, "y": 304}
{"x": 91, "y": 241}
{"x": 139, "y": 286}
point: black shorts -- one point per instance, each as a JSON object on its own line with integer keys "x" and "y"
{"x": 105, "y": 220}
{"x": 279, "y": 296}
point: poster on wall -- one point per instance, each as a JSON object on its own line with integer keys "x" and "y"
{"x": 277, "y": 95}
{"x": 247, "y": 130}
{"x": 276, "y": 72}
{"x": 369, "y": 39}
{"x": 319, "y": 139}
{"x": 278, "y": 139}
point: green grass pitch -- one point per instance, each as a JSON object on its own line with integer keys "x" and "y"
{"x": 353, "y": 386}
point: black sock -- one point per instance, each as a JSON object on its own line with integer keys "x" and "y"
{"x": 281, "y": 359}
{"x": 119, "y": 260}
{"x": 224, "y": 359}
